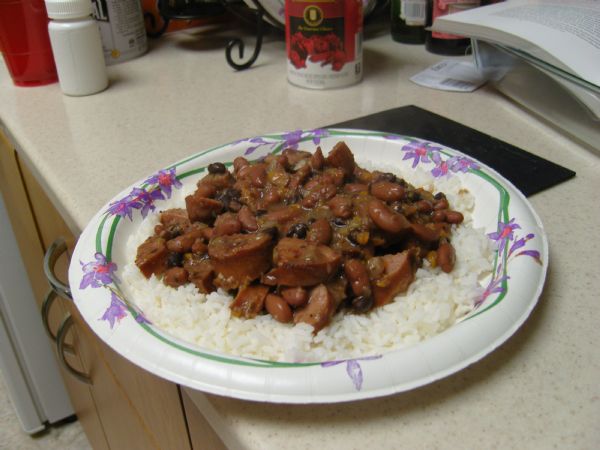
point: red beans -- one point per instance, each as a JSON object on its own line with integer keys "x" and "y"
{"x": 278, "y": 308}
{"x": 441, "y": 204}
{"x": 358, "y": 276}
{"x": 438, "y": 216}
{"x": 387, "y": 191}
{"x": 341, "y": 206}
{"x": 385, "y": 218}
{"x": 425, "y": 233}
{"x": 320, "y": 232}
{"x": 454, "y": 217}
{"x": 446, "y": 257}
{"x": 295, "y": 296}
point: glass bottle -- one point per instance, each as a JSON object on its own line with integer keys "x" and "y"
{"x": 408, "y": 21}
{"x": 443, "y": 43}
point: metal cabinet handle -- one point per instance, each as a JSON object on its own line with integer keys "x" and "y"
{"x": 61, "y": 334}
{"x": 56, "y": 249}
{"x": 51, "y": 296}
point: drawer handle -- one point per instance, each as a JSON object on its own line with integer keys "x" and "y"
{"x": 51, "y": 296}
{"x": 56, "y": 249}
{"x": 64, "y": 328}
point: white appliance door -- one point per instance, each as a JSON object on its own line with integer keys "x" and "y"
{"x": 28, "y": 366}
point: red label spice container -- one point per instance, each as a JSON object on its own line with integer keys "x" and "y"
{"x": 25, "y": 43}
{"x": 324, "y": 43}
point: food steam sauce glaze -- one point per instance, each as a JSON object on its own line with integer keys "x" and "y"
{"x": 324, "y": 43}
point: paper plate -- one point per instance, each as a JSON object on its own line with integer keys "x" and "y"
{"x": 508, "y": 294}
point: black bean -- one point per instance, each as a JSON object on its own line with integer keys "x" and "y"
{"x": 439, "y": 196}
{"x": 388, "y": 176}
{"x": 413, "y": 196}
{"x": 174, "y": 259}
{"x": 362, "y": 303}
{"x": 272, "y": 231}
{"x": 339, "y": 222}
{"x": 216, "y": 168}
{"x": 298, "y": 230}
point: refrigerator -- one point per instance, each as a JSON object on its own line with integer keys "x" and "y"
{"x": 27, "y": 363}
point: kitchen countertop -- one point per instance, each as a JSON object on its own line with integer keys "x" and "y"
{"x": 540, "y": 389}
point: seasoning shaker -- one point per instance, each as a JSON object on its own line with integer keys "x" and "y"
{"x": 77, "y": 47}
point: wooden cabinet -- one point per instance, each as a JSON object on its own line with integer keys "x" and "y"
{"x": 122, "y": 406}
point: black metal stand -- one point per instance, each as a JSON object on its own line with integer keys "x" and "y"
{"x": 258, "y": 16}
{"x": 237, "y": 42}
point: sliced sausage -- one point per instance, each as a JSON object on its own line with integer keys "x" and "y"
{"x": 399, "y": 273}
{"x": 301, "y": 263}
{"x": 183, "y": 243}
{"x": 202, "y": 209}
{"x": 200, "y": 272}
{"x": 249, "y": 302}
{"x": 318, "y": 311}
{"x": 254, "y": 174}
{"x": 175, "y": 217}
{"x": 240, "y": 258}
{"x": 226, "y": 223}
{"x": 152, "y": 256}
{"x": 175, "y": 277}
{"x": 317, "y": 159}
{"x": 293, "y": 156}
{"x": 247, "y": 219}
{"x": 341, "y": 156}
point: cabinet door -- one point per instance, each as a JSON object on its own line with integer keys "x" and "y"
{"x": 201, "y": 433}
{"x": 32, "y": 251}
{"x": 136, "y": 409}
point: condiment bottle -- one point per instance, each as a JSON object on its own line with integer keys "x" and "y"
{"x": 77, "y": 47}
{"x": 408, "y": 21}
{"x": 324, "y": 43}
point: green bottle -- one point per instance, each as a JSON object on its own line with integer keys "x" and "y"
{"x": 408, "y": 21}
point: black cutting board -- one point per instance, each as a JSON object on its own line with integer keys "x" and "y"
{"x": 529, "y": 173}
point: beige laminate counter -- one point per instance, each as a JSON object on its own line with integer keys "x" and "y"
{"x": 539, "y": 390}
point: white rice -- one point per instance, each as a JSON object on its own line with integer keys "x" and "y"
{"x": 434, "y": 301}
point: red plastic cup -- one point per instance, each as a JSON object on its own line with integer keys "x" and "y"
{"x": 25, "y": 43}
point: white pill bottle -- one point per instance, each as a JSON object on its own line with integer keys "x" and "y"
{"x": 77, "y": 47}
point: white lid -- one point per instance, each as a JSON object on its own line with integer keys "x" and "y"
{"x": 68, "y": 9}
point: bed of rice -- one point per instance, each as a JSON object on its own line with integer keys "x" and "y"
{"x": 434, "y": 301}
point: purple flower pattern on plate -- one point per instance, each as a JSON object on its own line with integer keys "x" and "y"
{"x": 144, "y": 198}
{"x": 290, "y": 139}
{"x": 506, "y": 233}
{"x": 353, "y": 368}
{"x": 116, "y": 311}
{"x": 165, "y": 180}
{"x": 97, "y": 273}
{"x": 423, "y": 152}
